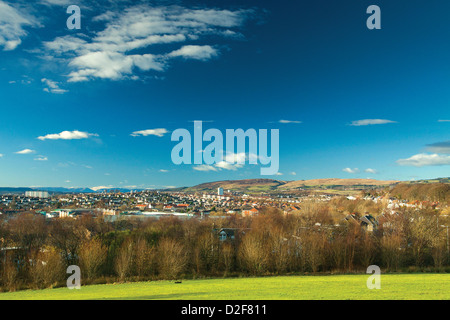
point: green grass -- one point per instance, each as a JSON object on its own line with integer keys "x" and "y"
{"x": 397, "y": 286}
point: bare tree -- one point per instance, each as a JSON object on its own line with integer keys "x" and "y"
{"x": 92, "y": 256}
{"x": 47, "y": 268}
{"x": 10, "y": 273}
{"x": 144, "y": 258}
{"x": 254, "y": 253}
{"x": 227, "y": 257}
{"x": 172, "y": 258}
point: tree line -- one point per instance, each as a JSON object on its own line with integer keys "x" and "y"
{"x": 36, "y": 252}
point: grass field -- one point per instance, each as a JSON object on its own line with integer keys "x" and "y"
{"x": 402, "y": 286}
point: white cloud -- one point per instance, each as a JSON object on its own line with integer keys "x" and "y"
{"x": 240, "y": 158}
{"x": 12, "y": 24}
{"x": 369, "y": 170}
{"x": 106, "y": 54}
{"x": 1, "y": 155}
{"x": 195, "y": 52}
{"x": 41, "y": 158}
{"x": 163, "y": 170}
{"x": 228, "y": 166}
{"x": 424, "y": 159}
{"x": 205, "y": 168}
{"x": 350, "y": 170}
{"x": 367, "y": 122}
{"x": 52, "y": 86}
{"x": 150, "y": 132}
{"x": 68, "y": 135}
{"x": 25, "y": 151}
{"x": 111, "y": 65}
{"x": 233, "y": 162}
{"x": 293, "y": 173}
{"x": 289, "y": 121}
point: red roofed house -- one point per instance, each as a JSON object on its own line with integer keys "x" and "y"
{"x": 249, "y": 213}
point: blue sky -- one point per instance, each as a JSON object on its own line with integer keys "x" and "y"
{"x": 349, "y": 102}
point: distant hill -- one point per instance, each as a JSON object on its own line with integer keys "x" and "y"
{"x": 249, "y": 185}
{"x": 270, "y": 185}
{"x": 14, "y": 190}
{"x": 335, "y": 182}
{"x": 437, "y": 180}
{"x": 49, "y": 189}
{"x": 65, "y": 190}
{"x": 122, "y": 190}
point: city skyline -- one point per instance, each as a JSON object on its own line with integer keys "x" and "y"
{"x": 97, "y": 106}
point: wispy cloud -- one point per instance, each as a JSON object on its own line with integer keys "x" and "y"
{"x": 350, "y": 170}
{"x": 367, "y": 122}
{"x": 150, "y": 132}
{"x": 41, "y": 158}
{"x": 112, "y": 52}
{"x": 68, "y": 135}
{"x": 288, "y": 121}
{"x": 241, "y": 158}
{"x": 370, "y": 170}
{"x": 205, "y": 168}
{"x": 52, "y": 86}
{"x": 443, "y": 120}
{"x": 232, "y": 162}
{"x": 12, "y": 26}
{"x": 195, "y": 52}
{"x": 163, "y": 171}
{"x": 424, "y": 159}
{"x": 228, "y": 166}
{"x": 25, "y": 151}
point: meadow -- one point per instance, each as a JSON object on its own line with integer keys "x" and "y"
{"x": 327, "y": 287}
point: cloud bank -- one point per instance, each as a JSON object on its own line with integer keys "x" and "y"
{"x": 130, "y": 41}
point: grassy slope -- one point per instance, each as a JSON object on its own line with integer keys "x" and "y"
{"x": 268, "y": 185}
{"x": 335, "y": 182}
{"x": 249, "y": 185}
{"x": 405, "y": 286}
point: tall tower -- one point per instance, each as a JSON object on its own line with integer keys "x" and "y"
{"x": 220, "y": 191}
